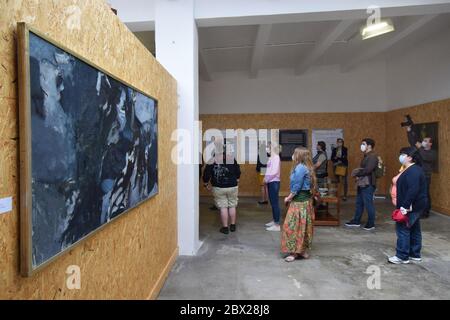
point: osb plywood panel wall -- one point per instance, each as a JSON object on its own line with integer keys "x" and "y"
{"x": 129, "y": 258}
{"x": 356, "y": 127}
{"x": 438, "y": 111}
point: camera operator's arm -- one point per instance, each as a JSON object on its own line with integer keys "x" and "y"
{"x": 412, "y": 137}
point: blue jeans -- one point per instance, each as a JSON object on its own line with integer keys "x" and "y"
{"x": 409, "y": 240}
{"x": 365, "y": 200}
{"x": 274, "y": 190}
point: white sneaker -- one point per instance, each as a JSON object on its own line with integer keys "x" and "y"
{"x": 415, "y": 259}
{"x": 396, "y": 260}
{"x": 275, "y": 227}
{"x": 269, "y": 224}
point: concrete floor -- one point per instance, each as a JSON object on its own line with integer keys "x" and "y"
{"x": 247, "y": 264}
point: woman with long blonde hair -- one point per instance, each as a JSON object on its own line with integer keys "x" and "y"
{"x": 298, "y": 227}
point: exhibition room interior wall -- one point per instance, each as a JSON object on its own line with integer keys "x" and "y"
{"x": 130, "y": 257}
{"x": 368, "y": 101}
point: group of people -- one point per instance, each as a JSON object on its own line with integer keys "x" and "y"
{"x": 410, "y": 192}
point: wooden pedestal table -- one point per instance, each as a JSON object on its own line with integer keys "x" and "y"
{"x": 324, "y": 217}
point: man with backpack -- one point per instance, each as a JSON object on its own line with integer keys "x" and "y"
{"x": 366, "y": 178}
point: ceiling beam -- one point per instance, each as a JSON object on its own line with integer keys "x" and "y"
{"x": 262, "y": 37}
{"x": 384, "y": 45}
{"x": 204, "y": 66}
{"x": 322, "y": 46}
{"x": 205, "y": 69}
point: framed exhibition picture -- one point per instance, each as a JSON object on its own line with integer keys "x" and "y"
{"x": 291, "y": 139}
{"x": 88, "y": 148}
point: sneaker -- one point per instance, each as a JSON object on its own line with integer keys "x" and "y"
{"x": 352, "y": 224}
{"x": 269, "y": 224}
{"x": 275, "y": 227}
{"x": 344, "y": 198}
{"x": 232, "y": 227}
{"x": 369, "y": 228}
{"x": 415, "y": 259}
{"x": 396, "y": 260}
{"x": 263, "y": 202}
{"x": 224, "y": 230}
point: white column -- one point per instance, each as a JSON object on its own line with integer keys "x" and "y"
{"x": 177, "y": 50}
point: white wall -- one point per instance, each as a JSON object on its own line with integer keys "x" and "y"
{"x": 177, "y": 51}
{"x": 421, "y": 74}
{"x": 138, "y": 15}
{"x": 321, "y": 89}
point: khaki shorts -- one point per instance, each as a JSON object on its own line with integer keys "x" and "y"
{"x": 225, "y": 197}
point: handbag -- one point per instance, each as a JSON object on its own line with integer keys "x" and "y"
{"x": 397, "y": 216}
{"x": 340, "y": 171}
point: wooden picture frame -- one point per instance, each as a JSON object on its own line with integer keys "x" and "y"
{"x": 117, "y": 209}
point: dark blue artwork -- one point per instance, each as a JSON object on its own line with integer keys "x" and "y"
{"x": 94, "y": 149}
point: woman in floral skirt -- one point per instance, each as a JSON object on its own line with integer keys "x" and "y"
{"x": 297, "y": 234}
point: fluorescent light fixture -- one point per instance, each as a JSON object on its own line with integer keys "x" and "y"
{"x": 377, "y": 29}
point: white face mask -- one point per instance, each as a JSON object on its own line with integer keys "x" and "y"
{"x": 363, "y": 148}
{"x": 424, "y": 144}
{"x": 268, "y": 150}
{"x": 292, "y": 157}
{"x": 402, "y": 158}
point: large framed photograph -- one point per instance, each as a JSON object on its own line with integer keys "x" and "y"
{"x": 88, "y": 148}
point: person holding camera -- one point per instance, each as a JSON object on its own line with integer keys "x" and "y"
{"x": 428, "y": 155}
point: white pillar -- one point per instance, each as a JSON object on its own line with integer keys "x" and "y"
{"x": 177, "y": 50}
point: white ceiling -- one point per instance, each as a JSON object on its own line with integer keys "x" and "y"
{"x": 230, "y": 48}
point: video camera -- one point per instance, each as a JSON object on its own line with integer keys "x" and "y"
{"x": 408, "y": 122}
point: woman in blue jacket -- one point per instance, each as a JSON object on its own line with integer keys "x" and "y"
{"x": 298, "y": 227}
{"x": 412, "y": 201}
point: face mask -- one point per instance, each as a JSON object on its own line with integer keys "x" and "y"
{"x": 363, "y": 148}
{"x": 293, "y": 158}
{"x": 402, "y": 158}
{"x": 424, "y": 144}
{"x": 268, "y": 150}
{"x": 339, "y": 145}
